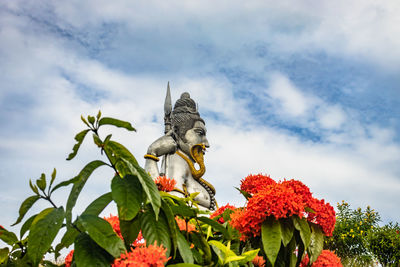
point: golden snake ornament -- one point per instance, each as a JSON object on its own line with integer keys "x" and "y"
{"x": 197, "y": 154}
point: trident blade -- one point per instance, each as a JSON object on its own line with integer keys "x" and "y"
{"x": 167, "y": 110}
{"x": 167, "y": 103}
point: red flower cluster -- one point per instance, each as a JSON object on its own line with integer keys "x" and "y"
{"x": 182, "y": 225}
{"x": 165, "y": 184}
{"x": 258, "y": 261}
{"x": 68, "y": 259}
{"x": 252, "y": 183}
{"x": 1, "y": 227}
{"x": 281, "y": 200}
{"x": 221, "y": 210}
{"x": 151, "y": 256}
{"x": 114, "y": 221}
{"x": 327, "y": 258}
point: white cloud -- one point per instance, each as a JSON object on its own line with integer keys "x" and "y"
{"x": 291, "y": 100}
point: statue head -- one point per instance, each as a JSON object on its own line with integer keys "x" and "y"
{"x": 189, "y": 128}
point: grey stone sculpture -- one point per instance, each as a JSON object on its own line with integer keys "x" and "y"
{"x": 182, "y": 146}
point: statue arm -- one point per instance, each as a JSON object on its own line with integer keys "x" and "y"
{"x": 162, "y": 146}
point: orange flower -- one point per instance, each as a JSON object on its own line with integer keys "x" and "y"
{"x": 253, "y": 183}
{"x": 165, "y": 184}
{"x": 258, "y": 261}
{"x": 280, "y": 200}
{"x": 114, "y": 221}
{"x": 183, "y": 226}
{"x": 324, "y": 215}
{"x": 151, "y": 256}
{"x": 327, "y": 258}
{"x": 221, "y": 210}
{"x": 68, "y": 259}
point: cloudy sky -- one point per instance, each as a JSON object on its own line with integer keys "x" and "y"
{"x": 308, "y": 90}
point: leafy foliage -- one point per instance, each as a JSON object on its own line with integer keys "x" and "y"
{"x": 349, "y": 237}
{"x": 173, "y": 227}
{"x": 384, "y": 243}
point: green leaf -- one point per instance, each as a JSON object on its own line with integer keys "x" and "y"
{"x": 4, "y": 254}
{"x": 98, "y": 115}
{"x": 41, "y": 182}
{"x": 103, "y": 234}
{"x": 234, "y": 258}
{"x": 171, "y": 222}
{"x": 98, "y": 205}
{"x": 302, "y": 226}
{"x": 184, "y": 211}
{"x": 115, "y": 122}
{"x": 82, "y": 177}
{"x": 95, "y": 208}
{"x": 249, "y": 256}
{"x": 155, "y": 230}
{"x": 287, "y": 230}
{"x": 184, "y": 248}
{"x": 25, "y": 206}
{"x": 33, "y": 187}
{"x": 67, "y": 240}
{"x": 317, "y": 242}
{"x": 300, "y": 247}
{"x": 25, "y": 227}
{"x": 222, "y": 251}
{"x": 88, "y": 253}
{"x": 85, "y": 121}
{"x": 42, "y": 232}
{"x": 53, "y": 176}
{"x": 8, "y": 237}
{"x": 97, "y": 140}
{"x": 91, "y": 119}
{"x": 217, "y": 226}
{"x": 130, "y": 230}
{"x": 79, "y": 138}
{"x": 201, "y": 244}
{"x": 271, "y": 238}
{"x": 148, "y": 185}
{"x": 127, "y": 193}
{"x": 119, "y": 151}
{"x": 65, "y": 183}
{"x": 244, "y": 193}
{"x": 107, "y": 139}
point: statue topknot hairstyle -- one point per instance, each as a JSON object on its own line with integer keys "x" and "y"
{"x": 184, "y": 115}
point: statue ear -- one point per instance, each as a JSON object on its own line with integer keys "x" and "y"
{"x": 175, "y": 133}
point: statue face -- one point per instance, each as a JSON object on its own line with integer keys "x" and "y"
{"x": 194, "y": 136}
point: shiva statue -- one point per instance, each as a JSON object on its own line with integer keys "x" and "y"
{"x": 182, "y": 147}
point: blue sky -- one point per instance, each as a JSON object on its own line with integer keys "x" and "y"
{"x": 294, "y": 89}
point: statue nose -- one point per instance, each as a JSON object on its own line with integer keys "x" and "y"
{"x": 205, "y": 142}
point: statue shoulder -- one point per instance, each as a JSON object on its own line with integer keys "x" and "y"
{"x": 162, "y": 146}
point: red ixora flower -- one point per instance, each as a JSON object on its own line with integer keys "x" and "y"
{"x": 281, "y": 199}
{"x": 258, "y": 261}
{"x": 221, "y": 210}
{"x": 253, "y": 183}
{"x": 68, "y": 259}
{"x": 183, "y": 226}
{"x": 327, "y": 258}
{"x": 151, "y": 256}
{"x": 165, "y": 184}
